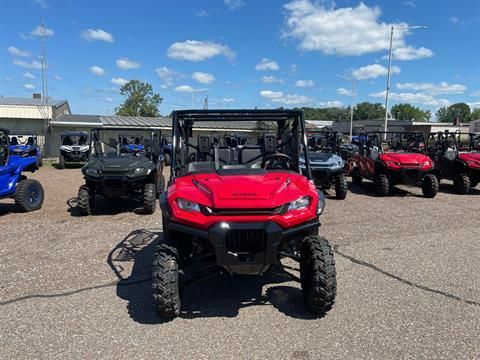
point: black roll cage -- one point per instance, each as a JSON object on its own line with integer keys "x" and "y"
{"x": 4, "y": 146}
{"x": 185, "y": 119}
{"x": 365, "y": 138}
{"x": 151, "y": 154}
{"x": 442, "y": 137}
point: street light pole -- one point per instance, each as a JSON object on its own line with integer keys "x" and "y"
{"x": 351, "y": 110}
{"x": 388, "y": 82}
{"x": 390, "y": 68}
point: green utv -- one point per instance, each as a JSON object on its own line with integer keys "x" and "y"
{"x": 124, "y": 163}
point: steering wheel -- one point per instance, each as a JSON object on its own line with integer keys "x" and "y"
{"x": 277, "y": 161}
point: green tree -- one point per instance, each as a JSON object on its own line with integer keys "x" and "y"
{"x": 409, "y": 112}
{"x": 442, "y": 115}
{"x": 458, "y": 110}
{"x": 475, "y": 115}
{"x": 368, "y": 111}
{"x": 140, "y": 101}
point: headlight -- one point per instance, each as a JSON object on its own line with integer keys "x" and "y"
{"x": 299, "y": 204}
{"x": 321, "y": 203}
{"x": 138, "y": 171}
{"x": 187, "y": 205}
{"x": 91, "y": 171}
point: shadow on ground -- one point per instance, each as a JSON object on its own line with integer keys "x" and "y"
{"x": 107, "y": 207}
{"x": 368, "y": 188}
{"x": 221, "y": 296}
{"x": 6, "y": 209}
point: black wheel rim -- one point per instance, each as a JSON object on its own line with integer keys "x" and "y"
{"x": 34, "y": 196}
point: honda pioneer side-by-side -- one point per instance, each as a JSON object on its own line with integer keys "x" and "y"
{"x": 394, "y": 158}
{"x": 74, "y": 148}
{"x": 457, "y": 157}
{"x": 24, "y": 144}
{"x": 28, "y": 193}
{"x": 326, "y": 164}
{"x": 124, "y": 163}
{"x": 240, "y": 204}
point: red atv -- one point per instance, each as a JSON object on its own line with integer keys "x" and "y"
{"x": 457, "y": 157}
{"x": 240, "y": 204}
{"x": 391, "y": 158}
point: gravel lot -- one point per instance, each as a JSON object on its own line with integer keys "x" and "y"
{"x": 408, "y": 285}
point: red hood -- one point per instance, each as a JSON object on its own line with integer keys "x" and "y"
{"x": 470, "y": 156}
{"x": 405, "y": 158}
{"x": 267, "y": 190}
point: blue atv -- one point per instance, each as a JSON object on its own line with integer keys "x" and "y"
{"x": 131, "y": 144}
{"x": 25, "y": 145}
{"x": 28, "y": 193}
{"x": 326, "y": 164}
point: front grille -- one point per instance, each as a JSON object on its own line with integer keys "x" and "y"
{"x": 245, "y": 241}
{"x": 239, "y": 212}
{"x": 113, "y": 183}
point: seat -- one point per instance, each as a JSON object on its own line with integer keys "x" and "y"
{"x": 249, "y": 153}
{"x": 14, "y": 141}
{"x": 201, "y": 166}
{"x": 224, "y": 155}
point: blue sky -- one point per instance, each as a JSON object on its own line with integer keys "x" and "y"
{"x": 243, "y": 53}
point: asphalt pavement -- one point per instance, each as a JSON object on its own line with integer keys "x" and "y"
{"x": 408, "y": 273}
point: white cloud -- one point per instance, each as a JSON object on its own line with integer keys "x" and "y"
{"x": 228, "y": 100}
{"x": 167, "y": 75}
{"x": 331, "y": 103}
{"x": 304, "y": 83}
{"x": 266, "y": 64}
{"x": 288, "y": 99}
{"x": 454, "y": 19}
{"x": 97, "y": 35}
{"x": 475, "y": 93}
{"x": 29, "y": 65}
{"x": 234, "y": 4}
{"x": 127, "y": 64}
{"x": 17, "y": 52}
{"x": 97, "y": 70}
{"x": 188, "y": 89}
{"x": 269, "y": 94}
{"x": 28, "y": 75}
{"x": 415, "y": 98}
{"x": 119, "y": 81}
{"x": 293, "y": 68}
{"x": 345, "y": 92}
{"x": 434, "y": 89}
{"x": 271, "y": 80}
{"x": 42, "y": 3}
{"x": 343, "y": 31}
{"x": 203, "y": 78}
{"x": 29, "y": 86}
{"x": 202, "y": 13}
{"x": 410, "y": 53}
{"x": 38, "y": 31}
{"x": 193, "y": 50}
{"x": 410, "y": 4}
{"x": 373, "y": 71}
{"x": 57, "y": 77}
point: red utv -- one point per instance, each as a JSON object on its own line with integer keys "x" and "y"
{"x": 392, "y": 158}
{"x": 457, "y": 157}
{"x": 240, "y": 204}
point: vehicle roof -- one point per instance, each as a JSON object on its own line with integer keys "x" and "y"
{"x": 236, "y": 115}
{"x": 115, "y": 128}
{"x": 74, "y": 133}
{"x": 22, "y": 133}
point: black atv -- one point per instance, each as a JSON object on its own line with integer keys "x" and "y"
{"x": 74, "y": 148}
{"x": 124, "y": 163}
{"x": 326, "y": 164}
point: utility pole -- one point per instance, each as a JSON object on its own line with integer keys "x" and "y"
{"x": 390, "y": 69}
{"x": 205, "y": 104}
{"x": 388, "y": 83}
{"x": 351, "y": 109}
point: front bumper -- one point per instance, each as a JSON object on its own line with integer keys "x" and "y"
{"x": 246, "y": 247}
{"x": 115, "y": 186}
{"x": 75, "y": 156}
{"x": 409, "y": 176}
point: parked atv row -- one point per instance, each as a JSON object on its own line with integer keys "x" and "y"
{"x": 411, "y": 158}
{"x": 239, "y": 205}
{"x": 28, "y": 193}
